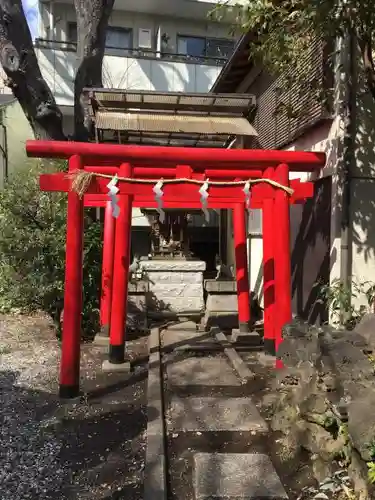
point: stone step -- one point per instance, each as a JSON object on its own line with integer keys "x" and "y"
{"x": 201, "y": 371}
{"x": 236, "y": 476}
{"x": 193, "y": 414}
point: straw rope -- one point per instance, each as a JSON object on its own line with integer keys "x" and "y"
{"x": 82, "y": 179}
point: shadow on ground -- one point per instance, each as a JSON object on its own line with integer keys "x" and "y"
{"x": 92, "y": 448}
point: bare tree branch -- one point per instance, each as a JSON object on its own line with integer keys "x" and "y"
{"x": 92, "y": 22}
{"x": 18, "y": 59}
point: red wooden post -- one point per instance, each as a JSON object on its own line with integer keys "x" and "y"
{"x": 107, "y": 269}
{"x": 71, "y": 337}
{"x": 283, "y": 306}
{"x": 120, "y": 275}
{"x": 269, "y": 223}
{"x": 242, "y": 275}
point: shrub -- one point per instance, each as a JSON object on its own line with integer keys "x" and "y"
{"x": 32, "y": 248}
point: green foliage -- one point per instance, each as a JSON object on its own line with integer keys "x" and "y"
{"x": 371, "y": 465}
{"x": 284, "y": 29}
{"x": 371, "y": 472}
{"x": 32, "y": 247}
{"x": 339, "y": 298}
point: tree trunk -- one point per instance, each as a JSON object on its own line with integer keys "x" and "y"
{"x": 18, "y": 59}
{"x": 92, "y": 22}
{"x": 365, "y": 45}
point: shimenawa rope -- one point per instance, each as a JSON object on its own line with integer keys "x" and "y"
{"x": 82, "y": 179}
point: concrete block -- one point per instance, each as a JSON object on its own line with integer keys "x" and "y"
{"x": 215, "y": 414}
{"x": 155, "y": 474}
{"x": 202, "y": 371}
{"x": 177, "y": 290}
{"x": 173, "y": 265}
{"x": 222, "y": 303}
{"x": 248, "y": 476}
{"x": 115, "y": 368}
{"x": 177, "y": 277}
{"x": 214, "y": 286}
{"x": 175, "y": 286}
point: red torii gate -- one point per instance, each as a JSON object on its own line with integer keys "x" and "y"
{"x": 186, "y": 166}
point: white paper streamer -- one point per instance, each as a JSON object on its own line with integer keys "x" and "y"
{"x": 247, "y": 192}
{"x": 112, "y": 192}
{"x": 157, "y": 189}
{"x": 203, "y": 191}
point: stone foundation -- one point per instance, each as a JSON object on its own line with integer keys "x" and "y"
{"x": 175, "y": 287}
{"x": 137, "y": 309}
{"x": 221, "y": 305}
{"x": 325, "y": 399}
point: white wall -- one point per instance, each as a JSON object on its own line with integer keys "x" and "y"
{"x": 322, "y": 138}
{"x": 171, "y": 24}
{"x": 59, "y": 66}
{"x": 363, "y": 191}
{"x": 18, "y": 131}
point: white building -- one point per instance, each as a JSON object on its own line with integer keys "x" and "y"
{"x": 179, "y": 50}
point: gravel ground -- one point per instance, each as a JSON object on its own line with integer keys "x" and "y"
{"x": 93, "y": 449}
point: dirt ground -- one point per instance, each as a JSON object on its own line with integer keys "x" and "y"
{"x": 92, "y": 449}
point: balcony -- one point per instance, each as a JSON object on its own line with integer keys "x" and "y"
{"x": 133, "y": 69}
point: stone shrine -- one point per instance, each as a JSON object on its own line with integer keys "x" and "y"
{"x": 174, "y": 276}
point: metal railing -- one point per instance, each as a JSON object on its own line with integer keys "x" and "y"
{"x": 141, "y": 53}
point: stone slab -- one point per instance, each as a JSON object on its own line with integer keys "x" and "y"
{"x": 177, "y": 305}
{"x": 155, "y": 474}
{"x": 172, "y": 277}
{"x": 202, "y": 371}
{"x": 235, "y": 359}
{"x": 215, "y": 414}
{"x": 116, "y": 367}
{"x": 222, "y": 303}
{"x": 173, "y": 265}
{"x": 184, "y": 326}
{"x": 249, "y": 476}
{"x": 177, "y": 290}
{"x": 216, "y": 286}
{"x": 173, "y": 338}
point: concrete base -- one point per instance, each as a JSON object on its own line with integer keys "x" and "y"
{"x": 221, "y": 305}
{"x": 175, "y": 287}
{"x": 251, "y": 338}
{"x": 202, "y": 371}
{"x": 215, "y": 414}
{"x": 115, "y": 368}
{"x": 239, "y": 476}
{"x": 101, "y": 340}
{"x": 155, "y": 473}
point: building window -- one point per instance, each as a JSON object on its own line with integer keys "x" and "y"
{"x": 220, "y": 48}
{"x": 116, "y": 38}
{"x": 119, "y": 38}
{"x": 191, "y": 46}
{"x": 72, "y": 33}
{"x": 204, "y": 47}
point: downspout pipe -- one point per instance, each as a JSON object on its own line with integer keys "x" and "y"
{"x": 348, "y": 165}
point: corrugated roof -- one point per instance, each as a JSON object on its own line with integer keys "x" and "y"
{"x": 174, "y": 124}
{"x": 180, "y": 102}
{"x": 169, "y": 118}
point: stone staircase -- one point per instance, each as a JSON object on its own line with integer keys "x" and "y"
{"x": 208, "y": 405}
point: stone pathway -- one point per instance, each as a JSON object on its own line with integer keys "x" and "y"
{"x": 208, "y": 410}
